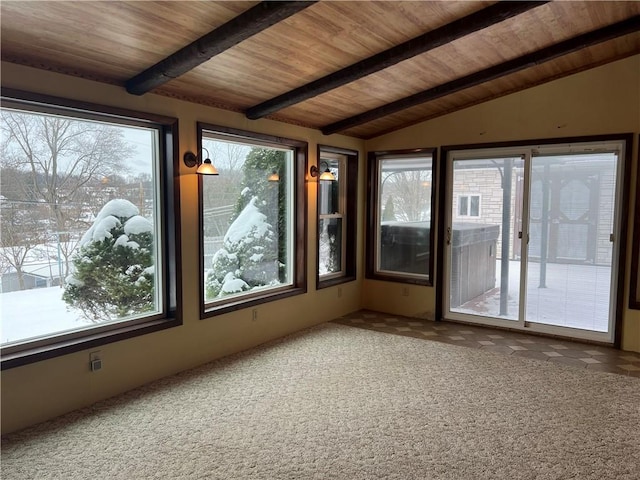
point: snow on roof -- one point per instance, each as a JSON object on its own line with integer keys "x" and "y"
{"x": 40, "y": 269}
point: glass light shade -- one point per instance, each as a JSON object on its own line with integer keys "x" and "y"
{"x": 327, "y": 176}
{"x": 207, "y": 168}
{"x": 274, "y": 177}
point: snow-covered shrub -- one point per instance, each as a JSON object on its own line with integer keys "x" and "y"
{"x": 249, "y": 256}
{"x": 113, "y": 269}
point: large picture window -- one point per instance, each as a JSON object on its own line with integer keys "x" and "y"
{"x": 252, "y": 219}
{"x": 399, "y": 244}
{"x": 337, "y": 211}
{"x": 84, "y": 230}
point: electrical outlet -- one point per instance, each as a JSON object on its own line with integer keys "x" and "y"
{"x": 405, "y": 292}
{"x": 95, "y": 361}
{"x": 254, "y": 314}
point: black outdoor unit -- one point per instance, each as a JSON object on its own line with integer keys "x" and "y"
{"x": 404, "y": 247}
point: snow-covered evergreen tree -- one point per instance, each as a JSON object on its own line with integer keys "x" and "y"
{"x": 272, "y": 196}
{"x": 113, "y": 270}
{"x": 389, "y": 214}
{"x": 248, "y": 257}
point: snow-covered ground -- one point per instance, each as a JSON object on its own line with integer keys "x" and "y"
{"x": 29, "y": 314}
{"x": 37, "y": 312}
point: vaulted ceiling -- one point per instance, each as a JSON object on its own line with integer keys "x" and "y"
{"x": 356, "y": 68}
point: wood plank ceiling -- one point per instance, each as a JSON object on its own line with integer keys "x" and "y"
{"x": 358, "y": 68}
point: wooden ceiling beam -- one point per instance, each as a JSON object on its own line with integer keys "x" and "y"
{"x": 609, "y": 32}
{"x": 428, "y": 41}
{"x": 253, "y": 21}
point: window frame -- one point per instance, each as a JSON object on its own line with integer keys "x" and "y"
{"x": 169, "y": 194}
{"x": 373, "y": 209}
{"x": 299, "y": 228}
{"x": 349, "y": 207}
{"x": 469, "y": 196}
{"x": 340, "y": 214}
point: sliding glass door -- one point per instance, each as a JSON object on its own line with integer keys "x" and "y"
{"x": 530, "y": 238}
{"x": 571, "y": 228}
{"x": 484, "y": 269}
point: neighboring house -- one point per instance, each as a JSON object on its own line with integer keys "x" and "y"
{"x": 35, "y": 275}
{"x": 574, "y": 217}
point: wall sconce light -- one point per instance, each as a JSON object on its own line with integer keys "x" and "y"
{"x": 274, "y": 177}
{"x": 190, "y": 159}
{"x": 324, "y": 176}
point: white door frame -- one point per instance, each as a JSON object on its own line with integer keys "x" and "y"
{"x": 527, "y": 153}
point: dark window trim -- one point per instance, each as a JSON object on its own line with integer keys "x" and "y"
{"x": 351, "y": 215}
{"x": 372, "y": 187}
{"x": 634, "y": 295}
{"x": 299, "y": 203}
{"x": 51, "y": 104}
{"x": 624, "y": 222}
{"x": 170, "y": 188}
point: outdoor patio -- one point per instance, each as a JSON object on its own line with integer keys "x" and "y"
{"x": 575, "y": 296}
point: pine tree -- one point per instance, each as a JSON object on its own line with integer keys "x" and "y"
{"x": 249, "y": 256}
{"x": 389, "y": 214}
{"x": 261, "y": 162}
{"x": 113, "y": 270}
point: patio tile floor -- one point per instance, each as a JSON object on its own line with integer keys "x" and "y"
{"x": 506, "y": 342}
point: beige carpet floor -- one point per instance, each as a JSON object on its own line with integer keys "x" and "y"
{"x": 336, "y": 402}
